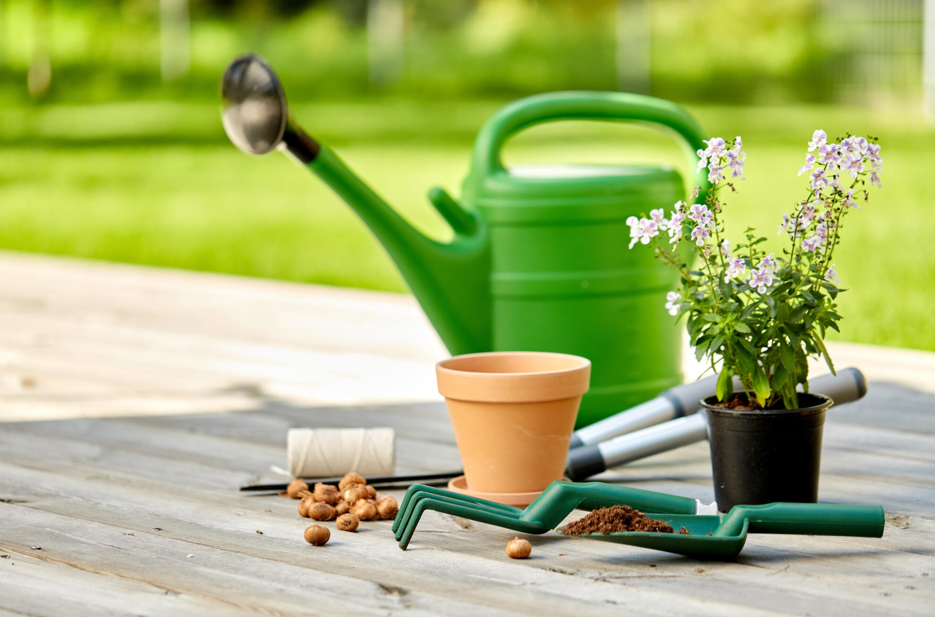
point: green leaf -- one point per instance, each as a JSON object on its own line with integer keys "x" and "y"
{"x": 780, "y": 375}
{"x": 761, "y": 386}
{"x": 712, "y": 317}
{"x": 830, "y": 287}
{"x": 787, "y": 355}
{"x": 790, "y": 397}
{"x": 745, "y": 359}
{"x": 797, "y": 314}
{"x": 716, "y": 343}
{"x": 824, "y": 351}
{"x": 725, "y": 385}
{"x": 747, "y": 345}
{"x": 742, "y": 327}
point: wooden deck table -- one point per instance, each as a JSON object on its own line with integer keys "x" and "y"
{"x": 136, "y": 401}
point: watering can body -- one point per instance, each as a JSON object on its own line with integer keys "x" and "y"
{"x": 539, "y": 260}
{"x": 562, "y": 277}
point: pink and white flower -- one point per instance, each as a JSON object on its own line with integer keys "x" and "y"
{"x": 715, "y": 173}
{"x": 675, "y": 225}
{"x": 673, "y": 302}
{"x": 819, "y": 137}
{"x": 809, "y": 164}
{"x": 831, "y": 275}
{"x": 768, "y": 263}
{"x": 813, "y": 243}
{"x": 700, "y": 234}
{"x": 715, "y": 147}
{"x": 830, "y": 155}
{"x": 853, "y": 164}
{"x": 760, "y": 280}
{"x": 736, "y": 158}
{"x": 658, "y": 217}
{"x": 819, "y": 180}
{"x": 725, "y": 248}
{"x": 736, "y": 269}
{"x": 848, "y": 201}
{"x": 699, "y": 213}
{"x": 641, "y": 230}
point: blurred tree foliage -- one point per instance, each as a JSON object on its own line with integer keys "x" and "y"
{"x": 729, "y": 51}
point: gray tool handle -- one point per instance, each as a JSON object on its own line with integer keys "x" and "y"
{"x": 652, "y": 412}
{"x": 684, "y": 399}
{"x": 673, "y": 403}
{"x": 654, "y": 440}
{"x": 589, "y": 460}
{"x": 847, "y": 386}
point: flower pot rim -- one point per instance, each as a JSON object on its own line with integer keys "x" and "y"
{"x": 550, "y": 377}
{"x": 826, "y": 402}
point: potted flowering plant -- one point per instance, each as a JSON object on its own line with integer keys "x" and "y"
{"x": 756, "y": 317}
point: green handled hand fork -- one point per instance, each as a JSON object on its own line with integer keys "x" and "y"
{"x": 542, "y": 515}
{"x": 728, "y": 533}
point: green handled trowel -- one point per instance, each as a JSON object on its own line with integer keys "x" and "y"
{"x": 723, "y": 537}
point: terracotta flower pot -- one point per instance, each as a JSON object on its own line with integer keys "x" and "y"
{"x": 513, "y": 414}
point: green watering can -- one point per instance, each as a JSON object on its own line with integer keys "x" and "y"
{"x": 539, "y": 259}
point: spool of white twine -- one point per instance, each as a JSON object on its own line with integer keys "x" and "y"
{"x": 326, "y": 452}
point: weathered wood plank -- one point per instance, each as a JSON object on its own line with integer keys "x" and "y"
{"x": 33, "y": 586}
{"x": 306, "y": 577}
{"x": 224, "y": 521}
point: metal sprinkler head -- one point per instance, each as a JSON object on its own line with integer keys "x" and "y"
{"x": 255, "y": 113}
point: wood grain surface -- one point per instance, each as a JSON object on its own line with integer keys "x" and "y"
{"x": 136, "y": 401}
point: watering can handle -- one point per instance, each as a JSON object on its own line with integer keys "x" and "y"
{"x": 605, "y": 106}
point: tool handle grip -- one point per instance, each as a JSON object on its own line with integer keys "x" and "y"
{"x": 817, "y": 519}
{"x": 685, "y": 399}
{"x": 847, "y": 386}
{"x": 606, "y": 106}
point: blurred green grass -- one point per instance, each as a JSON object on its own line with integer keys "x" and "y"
{"x": 157, "y": 183}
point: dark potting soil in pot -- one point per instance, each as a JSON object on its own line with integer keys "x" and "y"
{"x": 615, "y": 519}
{"x": 739, "y": 402}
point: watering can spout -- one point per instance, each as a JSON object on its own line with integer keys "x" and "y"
{"x": 450, "y": 280}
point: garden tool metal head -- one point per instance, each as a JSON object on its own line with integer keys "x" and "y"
{"x": 723, "y": 537}
{"x": 538, "y": 258}
{"x": 543, "y": 514}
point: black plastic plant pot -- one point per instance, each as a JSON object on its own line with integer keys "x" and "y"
{"x": 762, "y": 457}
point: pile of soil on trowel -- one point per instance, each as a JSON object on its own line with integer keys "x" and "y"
{"x": 615, "y": 519}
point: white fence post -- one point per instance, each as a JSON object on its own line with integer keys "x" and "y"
{"x": 633, "y": 44}
{"x": 928, "y": 59}
{"x": 386, "y": 24}
{"x": 174, "y": 43}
